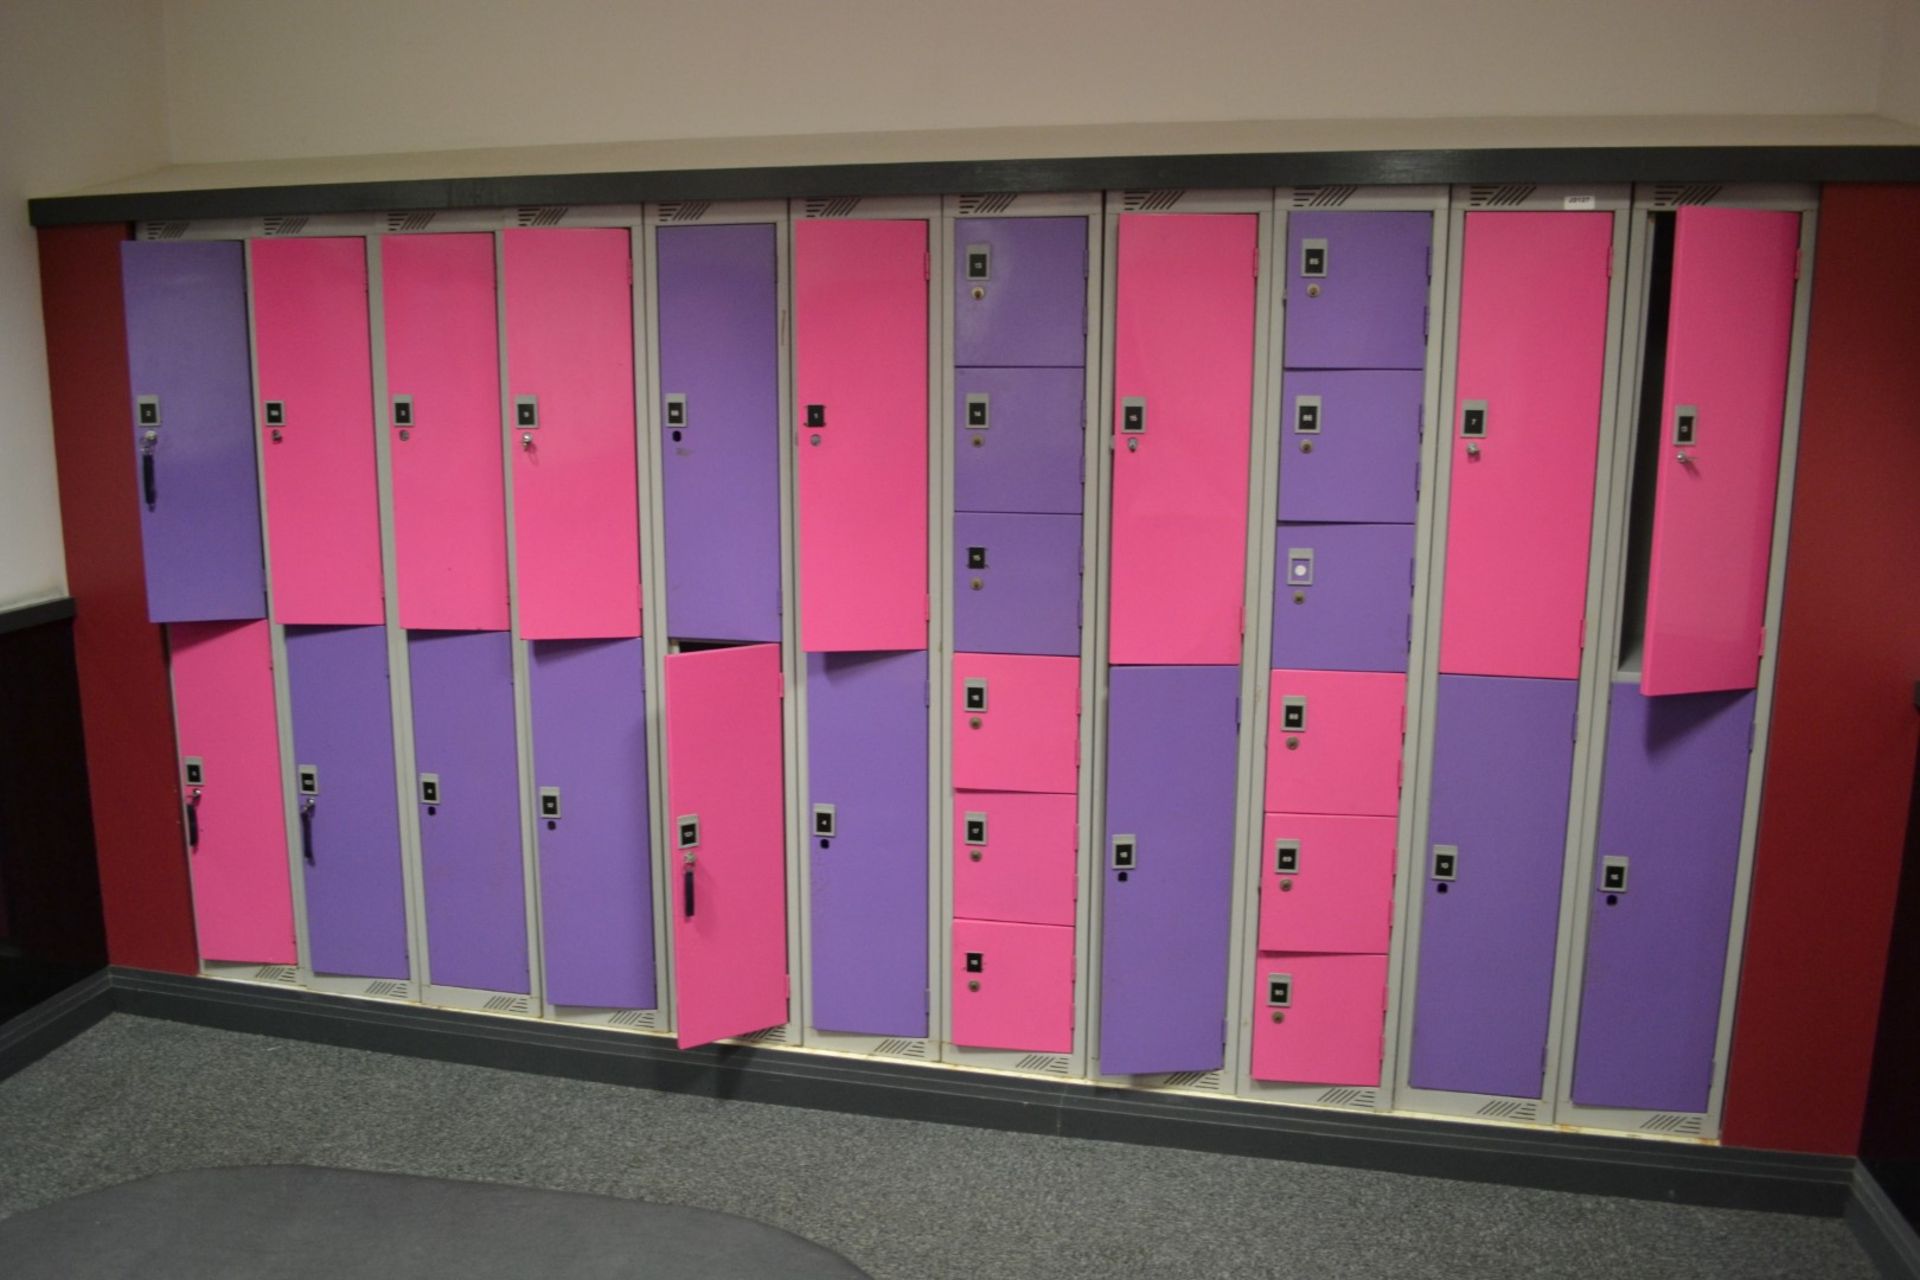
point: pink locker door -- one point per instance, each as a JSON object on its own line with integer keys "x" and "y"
{"x": 576, "y": 514}
{"x": 230, "y": 780}
{"x": 1013, "y": 856}
{"x": 860, "y": 378}
{"x": 1719, "y": 448}
{"x": 1183, "y": 404}
{"x": 1526, "y": 428}
{"x": 311, "y": 344}
{"x": 1334, "y": 741}
{"x": 1327, "y": 884}
{"x": 726, "y": 841}
{"x": 443, "y": 420}
{"x": 1016, "y": 722}
{"x": 1013, "y": 986}
{"x": 1332, "y": 1015}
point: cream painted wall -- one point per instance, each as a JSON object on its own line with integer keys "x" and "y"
{"x": 82, "y": 99}
{"x": 254, "y": 79}
{"x": 1900, "y": 71}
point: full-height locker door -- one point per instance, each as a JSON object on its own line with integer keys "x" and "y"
{"x": 1019, "y": 440}
{"x": 1728, "y": 335}
{"x": 590, "y": 819}
{"x": 1013, "y": 986}
{"x": 860, "y": 378}
{"x": 1502, "y": 773}
{"x": 1319, "y": 1019}
{"x": 1013, "y": 856}
{"x": 349, "y": 814}
{"x": 1350, "y": 446}
{"x": 230, "y": 782}
{"x": 1016, "y": 583}
{"x": 1526, "y": 425}
{"x": 726, "y": 824}
{"x": 443, "y": 418}
{"x": 192, "y": 429}
{"x": 719, "y": 415}
{"x": 867, "y": 818}
{"x": 1662, "y": 899}
{"x": 576, "y": 515}
{"x": 1183, "y": 399}
{"x": 1343, "y": 596}
{"x": 311, "y": 346}
{"x": 1357, "y": 290}
{"x": 1016, "y": 722}
{"x": 1020, "y": 291}
{"x": 467, "y": 786}
{"x": 1168, "y": 882}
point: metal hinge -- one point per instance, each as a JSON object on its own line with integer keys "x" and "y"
{"x": 926, "y": 265}
{"x": 1763, "y": 642}
{"x": 1236, "y": 711}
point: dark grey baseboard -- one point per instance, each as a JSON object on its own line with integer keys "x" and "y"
{"x": 38, "y": 614}
{"x": 54, "y": 1021}
{"x": 1882, "y": 1230}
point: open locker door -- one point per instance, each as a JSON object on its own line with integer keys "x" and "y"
{"x": 1720, "y": 425}
{"x": 725, "y": 828}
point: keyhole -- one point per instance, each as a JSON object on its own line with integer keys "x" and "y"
{"x": 553, "y": 826}
{"x": 973, "y": 722}
{"x": 432, "y": 809}
{"x": 1299, "y": 597}
{"x": 978, "y": 293}
{"x": 826, "y": 844}
{"x": 1313, "y": 291}
{"x": 1613, "y": 899}
{"x": 1441, "y": 887}
{"x": 975, "y": 584}
{"x": 1123, "y": 877}
{"x": 1306, "y": 446}
{"x": 978, "y": 441}
{"x": 1293, "y": 744}
{"x": 1279, "y": 1015}
{"x": 973, "y": 854}
{"x": 676, "y": 437}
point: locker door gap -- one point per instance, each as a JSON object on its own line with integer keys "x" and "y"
{"x": 1647, "y": 443}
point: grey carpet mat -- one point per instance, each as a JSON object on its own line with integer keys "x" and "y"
{"x": 287, "y": 1223}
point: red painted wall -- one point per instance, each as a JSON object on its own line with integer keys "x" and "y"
{"x": 1840, "y": 757}
{"x": 124, "y": 703}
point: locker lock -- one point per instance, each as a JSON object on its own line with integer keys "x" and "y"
{"x": 1473, "y": 420}
{"x": 146, "y": 411}
{"x": 1613, "y": 875}
{"x": 976, "y": 828}
{"x": 1133, "y": 414}
{"x": 1313, "y": 258}
{"x": 1293, "y": 714}
{"x": 526, "y": 411}
{"x": 1685, "y": 419}
{"x": 1125, "y": 853}
{"x": 976, "y": 962}
{"x": 550, "y": 802}
{"x": 976, "y": 557}
{"x": 309, "y": 779}
{"x": 824, "y": 818}
{"x": 977, "y": 410}
{"x": 403, "y": 411}
{"x": 1446, "y": 862}
{"x": 816, "y": 415}
{"x": 676, "y": 411}
{"x": 1279, "y": 990}
{"x": 1286, "y": 857}
{"x": 429, "y": 788}
{"x": 1299, "y": 566}
{"x": 196, "y": 771}
{"x": 276, "y": 413}
{"x": 1306, "y": 415}
{"x": 686, "y": 831}
{"x": 975, "y": 695}
{"x": 979, "y": 262}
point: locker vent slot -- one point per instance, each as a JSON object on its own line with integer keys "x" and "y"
{"x": 1509, "y": 1109}
{"x": 770, "y": 1035}
{"x": 291, "y": 226}
{"x": 685, "y": 210}
{"x": 1670, "y": 1122}
{"x": 163, "y": 230}
{"x": 1208, "y": 1081}
{"x": 999, "y": 202}
{"x": 838, "y": 207}
{"x": 276, "y": 973}
{"x": 1647, "y": 446}
{"x": 1671, "y": 195}
{"x": 648, "y": 1018}
{"x": 508, "y": 1004}
{"x": 1151, "y": 201}
{"x": 1364, "y": 1099}
{"x": 387, "y": 989}
{"x": 1505, "y": 196}
{"x": 1047, "y": 1064}
{"x": 1322, "y": 197}
{"x": 415, "y": 221}
{"x": 902, "y": 1048}
{"x": 547, "y": 215}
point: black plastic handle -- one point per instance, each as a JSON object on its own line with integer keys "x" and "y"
{"x": 687, "y": 897}
{"x": 306, "y": 832}
{"x": 193, "y": 826}
{"x": 148, "y": 485}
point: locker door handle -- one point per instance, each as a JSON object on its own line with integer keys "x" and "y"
{"x": 149, "y": 488}
{"x": 306, "y": 829}
{"x": 193, "y": 824}
{"x": 687, "y": 895}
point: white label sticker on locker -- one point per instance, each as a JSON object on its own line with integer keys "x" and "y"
{"x": 1299, "y": 566}
{"x": 1293, "y": 714}
{"x": 676, "y": 410}
{"x": 1286, "y": 857}
{"x": 526, "y": 411}
{"x": 1126, "y": 851}
{"x": 1133, "y": 414}
{"x": 979, "y": 262}
{"x": 1306, "y": 415}
{"x": 977, "y": 410}
{"x": 1473, "y": 419}
{"x": 976, "y": 828}
{"x": 686, "y": 831}
{"x": 1446, "y": 861}
{"x": 550, "y": 802}
{"x": 1313, "y": 257}
{"x": 403, "y": 411}
{"x": 1279, "y": 990}
{"x": 976, "y": 695}
{"x": 1613, "y": 875}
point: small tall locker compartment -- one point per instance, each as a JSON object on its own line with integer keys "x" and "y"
{"x": 1661, "y": 899}
{"x": 1729, "y": 331}
{"x": 1525, "y": 431}
{"x": 347, "y": 806}
{"x": 1019, "y": 440}
{"x": 1020, "y": 292}
{"x": 1343, "y": 597}
{"x": 311, "y": 346}
{"x": 719, "y": 410}
{"x": 1168, "y": 878}
{"x": 443, "y": 424}
{"x": 1357, "y": 289}
{"x": 1327, "y": 883}
{"x": 591, "y": 822}
{"x": 867, "y": 819}
{"x": 726, "y": 822}
{"x": 1013, "y": 856}
{"x": 576, "y": 515}
{"x": 1489, "y": 920}
{"x": 1016, "y": 583}
{"x": 1319, "y": 1018}
{"x": 860, "y": 379}
{"x": 230, "y": 784}
{"x": 187, "y": 363}
{"x": 1334, "y": 742}
{"x": 1183, "y": 402}
{"x": 467, "y": 787}
{"x": 1013, "y": 986}
{"x": 1016, "y": 723}
{"x": 1350, "y": 446}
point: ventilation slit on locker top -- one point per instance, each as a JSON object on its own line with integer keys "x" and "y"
{"x": 1647, "y": 443}
{"x": 999, "y": 202}
{"x": 163, "y": 230}
{"x": 292, "y": 226}
{"x": 541, "y": 215}
{"x": 1321, "y": 197}
{"x": 1671, "y": 195}
{"x": 685, "y": 210}
{"x": 839, "y": 207}
{"x": 416, "y": 221}
{"x": 1506, "y": 196}
{"x": 1151, "y": 201}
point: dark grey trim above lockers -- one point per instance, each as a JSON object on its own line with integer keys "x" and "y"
{"x": 37, "y": 614}
{"x": 1709, "y": 164}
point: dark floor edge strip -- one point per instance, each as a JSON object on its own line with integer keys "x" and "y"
{"x": 1634, "y": 1168}
{"x": 1882, "y": 1230}
{"x": 29, "y": 1037}
{"x": 37, "y": 614}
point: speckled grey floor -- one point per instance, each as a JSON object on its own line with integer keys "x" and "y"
{"x": 901, "y": 1198}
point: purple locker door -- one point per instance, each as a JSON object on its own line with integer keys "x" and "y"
{"x": 1357, "y": 290}
{"x": 1020, "y": 291}
{"x": 1502, "y": 774}
{"x": 590, "y": 798}
{"x": 720, "y": 411}
{"x": 1019, "y": 440}
{"x": 1350, "y": 446}
{"x": 1668, "y": 848}
{"x": 187, "y": 362}
{"x": 1168, "y": 881}
{"x": 349, "y": 829}
{"x": 468, "y": 788}
{"x": 1016, "y": 584}
{"x": 867, "y": 774}
{"x": 1343, "y": 597}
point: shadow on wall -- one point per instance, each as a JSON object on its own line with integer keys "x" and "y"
{"x": 1890, "y": 1139}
